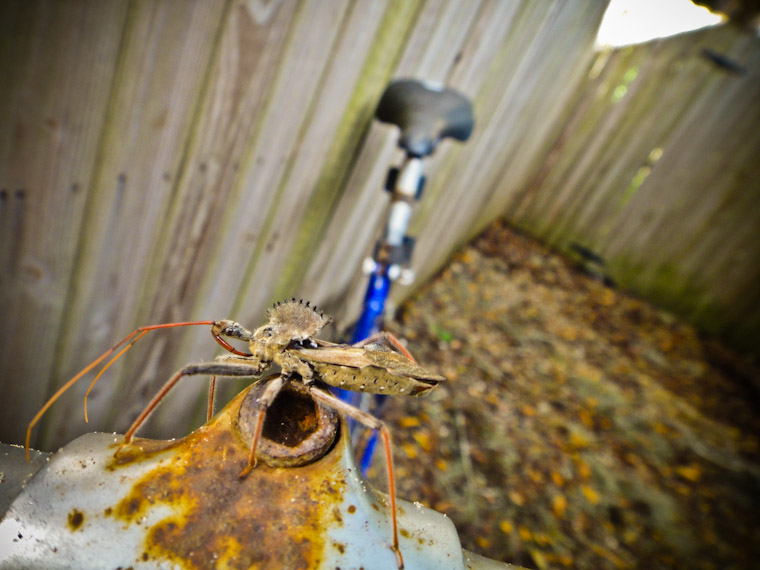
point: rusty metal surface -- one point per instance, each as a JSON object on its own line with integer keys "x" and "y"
{"x": 183, "y": 504}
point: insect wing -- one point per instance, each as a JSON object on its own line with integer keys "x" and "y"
{"x": 375, "y": 355}
{"x": 396, "y": 363}
{"x": 338, "y": 355}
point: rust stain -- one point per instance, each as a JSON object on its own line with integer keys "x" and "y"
{"x": 216, "y": 516}
{"x": 76, "y": 520}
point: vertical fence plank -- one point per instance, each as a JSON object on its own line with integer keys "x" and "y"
{"x": 58, "y": 64}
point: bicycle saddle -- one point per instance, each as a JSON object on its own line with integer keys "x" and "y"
{"x": 426, "y": 113}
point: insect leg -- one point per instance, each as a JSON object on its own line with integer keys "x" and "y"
{"x": 210, "y": 403}
{"x": 139, "y": 333}
{"x": 229, "y": 358}
{"x": 373, "y": 423}
{"x": 207, "y": 368}
{"x": 262, "y": 404}
{"x": 389, "y": 338}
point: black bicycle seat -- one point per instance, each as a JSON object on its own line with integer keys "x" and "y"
{"x": 426, "y": 113}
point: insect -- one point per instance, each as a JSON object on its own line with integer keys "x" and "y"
{"x": 287, "y": 340}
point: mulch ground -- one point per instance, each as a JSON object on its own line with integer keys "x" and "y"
{"x": 579, "y": 427}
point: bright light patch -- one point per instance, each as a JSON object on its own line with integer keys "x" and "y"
{"x": 629, "y": 22}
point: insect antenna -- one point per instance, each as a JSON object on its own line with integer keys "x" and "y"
{"x": 139, "y": 333}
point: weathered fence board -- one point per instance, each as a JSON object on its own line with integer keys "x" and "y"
{"x": 160, "y": 75}
{"x": 263, "y": 204}
{"x": 526, "y": 88}
{"x": 656, "y": 170}
{"x": 166, "y": 160}
{"x": 54, "y": 110}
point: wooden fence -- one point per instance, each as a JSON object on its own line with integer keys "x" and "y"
{"x": 656, "y": 167}
{"x": 172, "y": 160}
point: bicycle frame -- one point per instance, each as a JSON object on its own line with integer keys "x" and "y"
{"x": 426, "y": 113}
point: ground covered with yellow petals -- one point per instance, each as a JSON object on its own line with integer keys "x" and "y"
{"x": 579, "y": 427}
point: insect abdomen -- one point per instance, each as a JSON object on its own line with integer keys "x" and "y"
{"x": 371, "y": 379}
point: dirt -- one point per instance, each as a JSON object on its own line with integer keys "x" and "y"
{"x": 579, "y": 427}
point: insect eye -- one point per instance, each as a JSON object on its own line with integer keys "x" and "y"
{"x": 268, "y": 331}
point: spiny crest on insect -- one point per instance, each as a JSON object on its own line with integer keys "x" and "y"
{"x": 296, "y": 319}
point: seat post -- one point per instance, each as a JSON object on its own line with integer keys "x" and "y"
{"x": 425, "y": 113}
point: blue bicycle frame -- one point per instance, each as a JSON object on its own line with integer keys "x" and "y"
{"x": 426, "y": 113}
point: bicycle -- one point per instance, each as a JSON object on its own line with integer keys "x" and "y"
{"x": 426, "y": 113}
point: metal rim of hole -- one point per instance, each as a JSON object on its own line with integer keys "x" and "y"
{"x": 297, "y": 429}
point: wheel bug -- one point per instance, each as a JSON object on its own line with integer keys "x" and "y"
{"x": 286, "y": 340}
